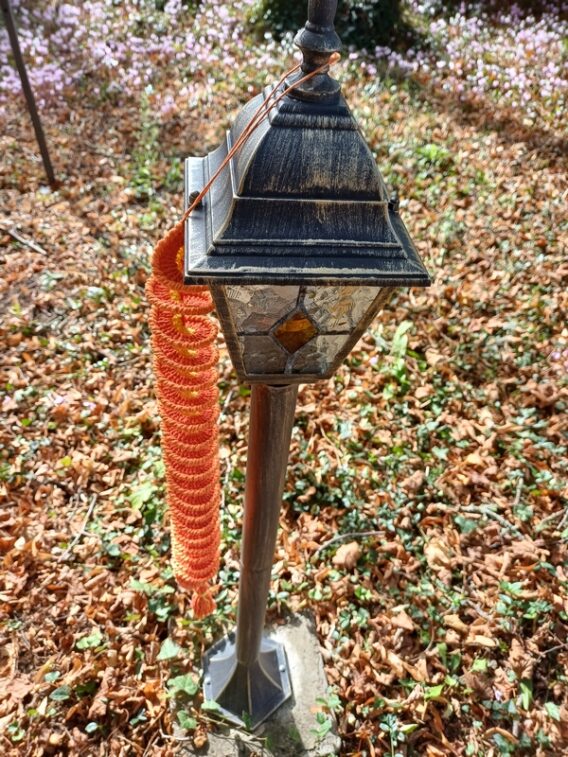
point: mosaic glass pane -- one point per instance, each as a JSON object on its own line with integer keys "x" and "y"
{"x": 256, "y": 308}
{"x": 295, "y": 331}
{"x": 319, "y": 355}
{"x": 261, "y": 355}
{"x": 338, "y": 308}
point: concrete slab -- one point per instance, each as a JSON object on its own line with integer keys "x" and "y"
{"x": 289, "y": 732}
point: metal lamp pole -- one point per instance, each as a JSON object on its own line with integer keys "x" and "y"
{"x": 247, "y": 673}
{"x": 28, "y": 92}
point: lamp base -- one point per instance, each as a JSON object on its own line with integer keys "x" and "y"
{"x": 246, "y": 695}
{"x": 292, "y": 730}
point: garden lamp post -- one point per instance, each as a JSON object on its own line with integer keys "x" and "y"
{"x": 27, "y": 89}
{"x": 300, "y": 246}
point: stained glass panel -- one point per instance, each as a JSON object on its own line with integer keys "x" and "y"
{"x": 336, "y": 308}
{"x": 318, "y": 355}
{"x": 261, "y": 355}
{"x": 256, "y": 308}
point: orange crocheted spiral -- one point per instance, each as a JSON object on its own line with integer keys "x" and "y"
{"x": 186, "y": 332}
{"x": 186, "y": 359}
{"x": 188, "y": 302}
{"x": 183, "y": 342}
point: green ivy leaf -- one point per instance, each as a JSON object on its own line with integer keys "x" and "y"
{"x": 185, "y": 684}
{"x": 61, "y": 694}
{"x": 142, "y": 494}
{"x": 210, "y": 705}
{"x": 143, "y": 588}
{"x": 16, "y": 732}
{"x": 553, "y": 710}
{"x": 433, "y": 692}
{"x": 324, "y": 726}
{"x": 400, "y": 339}
{"x": 168, "y": 650}
{"x": 479, "y": 666}
{"x": 526, "y": 694}
{"x": 409, "y": 728}
{"x": 91, "y": 641}
{"x": 186, "y": 721}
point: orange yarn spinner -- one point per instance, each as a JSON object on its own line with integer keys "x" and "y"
{"x": 183, "y": 342}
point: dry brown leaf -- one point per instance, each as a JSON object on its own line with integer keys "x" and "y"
{"x": 200, "y": 738}
{"x": 99, "y": 706}
{"x": 414, "y": 482}
{"x": 434, "y": 751}
{"x": 433, "y": 357}
{"x": 520, "y": 660}
{"x": 416, "y": 671}
{"x": 438, "y": 554}
{"x": 422, "y": 392}
{"x": 16, "y": 688}
{"x": 478, "y": 640}
{"x": 347, "y": 555}
{"x": 403, "y": 620}
{"x": 474, "y": 458}
{"x": 396, "y": 663}
{"x": 455, "y": 622}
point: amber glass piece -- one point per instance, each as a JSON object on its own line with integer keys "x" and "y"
{"x": 296, "y": 331}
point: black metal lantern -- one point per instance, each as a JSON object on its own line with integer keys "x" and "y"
{"x": 298, "y": 239}
{"x": 300, "y": 245}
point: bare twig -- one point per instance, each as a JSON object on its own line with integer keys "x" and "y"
{"x": 153, "y": 738}
{"x": 564, "y": 520}
{"x": 22, "y": 240}
{"x": 519, "y": 491}
{"x": 167, "y": 737}
{"x": 478, "y": 610}
{"x": 342, "y": 537}
{"x": 489, "y": 513}
{"x": 67, "y": 554}
{"x": 553, "y": 649}
{"x": 553, "y": 516}
{"x": 228, "y": 399}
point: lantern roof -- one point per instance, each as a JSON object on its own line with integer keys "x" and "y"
{"x": 302, "y": 202}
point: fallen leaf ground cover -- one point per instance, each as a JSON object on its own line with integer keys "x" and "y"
{"x": 424, "y": 521}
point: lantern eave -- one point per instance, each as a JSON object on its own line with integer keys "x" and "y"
{"x": 245, "y": 275}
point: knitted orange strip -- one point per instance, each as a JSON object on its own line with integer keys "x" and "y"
{"x": 201, "y": 496}
{"x": 179, "y": 472}
{"x": 185, "y": 332}
{"x": 193, "y": 398}
{"x": 186, "y": 357}
{"x": 183, "y": 442}
{"x": 186, "y": 366}
{"x": 183, "y": 342}
{"x": 206, "y": 377}
{"x": 190, "y": 303}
